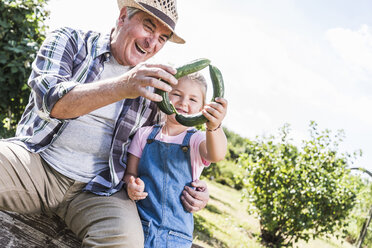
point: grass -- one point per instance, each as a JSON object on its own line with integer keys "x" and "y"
{"x": 226, "y": 223}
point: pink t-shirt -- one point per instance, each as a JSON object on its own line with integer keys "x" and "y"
{"x": 197, "y": 162}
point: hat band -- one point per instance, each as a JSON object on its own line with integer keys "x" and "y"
{"x": 160, "y": 15}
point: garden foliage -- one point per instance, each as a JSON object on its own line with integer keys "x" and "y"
{"x": 22, "y": 31}
{"x": 298, "y": 193}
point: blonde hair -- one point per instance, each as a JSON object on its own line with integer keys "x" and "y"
{"x": 197, "y": 77}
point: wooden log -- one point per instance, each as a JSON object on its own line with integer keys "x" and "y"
{"x": 27, "y": 231}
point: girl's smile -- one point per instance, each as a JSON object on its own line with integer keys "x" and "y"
{"x": 187, "y": 96}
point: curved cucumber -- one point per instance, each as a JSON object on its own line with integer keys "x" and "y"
{"x": 191, "y": 120}
{"x": 193, "y": 66}
{"x": 218, "y": 91}
{"x": 165, "y": 105}
{"x": 196, "y": 65}
{"x": 217, "y": 81}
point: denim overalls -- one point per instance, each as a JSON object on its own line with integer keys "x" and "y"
{"x": 166, "y": 169}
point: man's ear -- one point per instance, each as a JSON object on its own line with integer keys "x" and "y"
{"x": 123, "y": 14}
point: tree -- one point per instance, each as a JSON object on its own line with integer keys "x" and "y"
{"x": 298, "y": 193}
{"x": 22, "y": 30}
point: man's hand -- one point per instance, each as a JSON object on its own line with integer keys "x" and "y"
{"x": 195, "y": 200}
{"x": 135, "y": 189}
{"x": 136, "y": 81}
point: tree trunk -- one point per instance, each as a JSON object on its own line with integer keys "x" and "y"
{"x": 363, "y": 232}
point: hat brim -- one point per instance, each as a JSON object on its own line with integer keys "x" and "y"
{"x": 132, "y": 3}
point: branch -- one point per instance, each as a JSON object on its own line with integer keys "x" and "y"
{"x": 362, "y": 170}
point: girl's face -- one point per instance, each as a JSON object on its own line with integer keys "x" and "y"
{"x": 187, "y": 96}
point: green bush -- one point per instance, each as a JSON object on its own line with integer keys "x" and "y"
{"x": 298, "y": 193}
{"x": 225, "y": 172}
{"x": 228, "y": 172}
{"x": 21, "y": 33}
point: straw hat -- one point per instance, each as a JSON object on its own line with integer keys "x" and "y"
{"x": 163, "y": 10}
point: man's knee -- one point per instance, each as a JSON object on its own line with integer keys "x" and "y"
{"x": 116, "y": 234}
{"x": 105, "y": 221}
{"x": 17, "y": 188}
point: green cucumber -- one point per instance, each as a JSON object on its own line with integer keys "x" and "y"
{"x": 193, "y": 66}
{"x": 191, "y": 120}
{"x": 165, "y": 105}
{"x": 196, "y": 65}
{"x": 218, "y": 91}
{"x": 217, "y": 82}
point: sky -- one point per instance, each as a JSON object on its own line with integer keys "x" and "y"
{"x": 283, "y": 61}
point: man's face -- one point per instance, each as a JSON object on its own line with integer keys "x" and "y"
{"x": 137, "y": 39}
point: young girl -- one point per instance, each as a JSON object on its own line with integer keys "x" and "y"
{"x": 164, "y": 159}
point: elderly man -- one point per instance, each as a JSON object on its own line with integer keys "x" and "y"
{"x": 90, "y": 93}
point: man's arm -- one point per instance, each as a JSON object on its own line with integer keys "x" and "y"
{"x": 85, "y": 98}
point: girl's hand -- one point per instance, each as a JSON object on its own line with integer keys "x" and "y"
{"x": 215, "y": 112}
{"x": 135, "y": 189}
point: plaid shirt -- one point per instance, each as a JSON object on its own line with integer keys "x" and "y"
{"x": 67, "y": 58}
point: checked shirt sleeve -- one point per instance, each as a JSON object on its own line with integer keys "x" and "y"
{"x": 52, "y": 70}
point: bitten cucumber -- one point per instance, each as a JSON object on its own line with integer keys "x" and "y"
{"x": 218, "y": 91}
{"x": 196, "y": 65}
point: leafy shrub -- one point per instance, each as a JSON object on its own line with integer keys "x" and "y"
{"x": 227, "y": 172}
{"x": 21, "y": 33}
{"x": 298, "y": 193}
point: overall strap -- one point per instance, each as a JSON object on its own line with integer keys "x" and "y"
{"x": 154, "y": 132}
{"x": 186, "y": 141}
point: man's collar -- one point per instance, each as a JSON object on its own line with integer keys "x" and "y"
{"x": 103, "y": 45}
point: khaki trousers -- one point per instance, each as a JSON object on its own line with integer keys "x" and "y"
{"x": 29, "y": 185}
